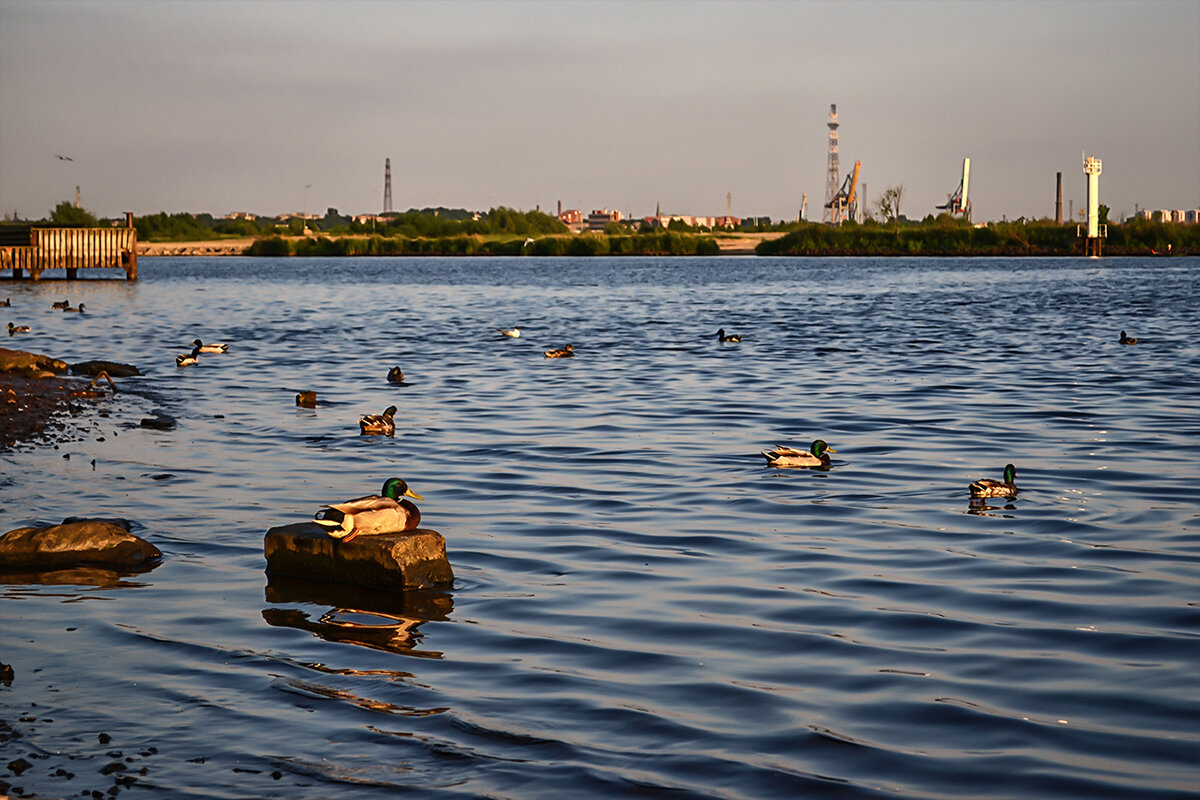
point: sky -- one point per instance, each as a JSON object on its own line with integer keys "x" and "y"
{"x": 275, "y": 107}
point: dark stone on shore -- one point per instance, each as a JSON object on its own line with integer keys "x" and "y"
{"x": 159, "y": 422}
{"x": 32, "y": 365}
{"x": 113, "y": 368}
{"x": 75, "y": 542}
{"x": 390, "y": 562}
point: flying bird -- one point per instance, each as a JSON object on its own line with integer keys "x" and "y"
{"x": 64, "y": 158}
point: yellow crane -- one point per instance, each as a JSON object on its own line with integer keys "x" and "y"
{"x": 845, "y": 203}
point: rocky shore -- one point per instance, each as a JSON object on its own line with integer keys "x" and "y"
{"x": 37, "y": 399}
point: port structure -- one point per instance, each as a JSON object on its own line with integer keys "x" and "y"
{"x": 958, "y": 202}
{"x": 1095, "y": 231}
{"x": 844, "y": 204}
{"x": 833, "y": 171}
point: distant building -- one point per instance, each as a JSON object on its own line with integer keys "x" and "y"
{"x": 599, "y": 218}
{"x": 364, "y": 219}
{"x": 241, "y": 215}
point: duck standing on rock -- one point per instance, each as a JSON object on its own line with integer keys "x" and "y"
{"x": 18, "y": 329}
{"x": 986, "y": 487}
{"x": 384, "y": 424}
{"x": 783, "y": 456}
{"x": 1127, "y": 339}
{"x": 386, "y": 512}
{"x": 210, "y": 348}
{"x": 733, "y": 337}
{"x": 188, "y": 359}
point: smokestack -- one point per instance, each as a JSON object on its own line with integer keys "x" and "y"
{"x": 560, "y": 205}
{"x": 1058, "y": 202}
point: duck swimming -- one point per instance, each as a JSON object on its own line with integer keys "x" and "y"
{"x": 210, "y": 348}
{"x": 6, "y": 303}
{"x": 78, "y": 308}
{"x": 395, "y": 375}
{"x": 61, "y": 304}
{"x": 562, "y": 352}
{"x": 514, "y": 332}
{"x": 1127, "y": 339}
{"x": 18, "y": 329}
{"x": 986, "y": 487}
{"x": 782, "y": 456}
{"x": 386, "y": 512}
{"x": 733, "y": 337}
{"x": 379, "y": 423}
{"x": 188, "y": 359}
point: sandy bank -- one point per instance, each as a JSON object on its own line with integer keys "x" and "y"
{"x": 218, "y": 247}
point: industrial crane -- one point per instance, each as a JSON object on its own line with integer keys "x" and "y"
{"x": 959, "y": 202}
{"x": 845, "y": 203}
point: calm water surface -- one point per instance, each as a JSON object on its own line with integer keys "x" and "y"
{"x": 642, "y": 608}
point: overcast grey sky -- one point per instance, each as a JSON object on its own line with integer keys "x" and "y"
{"x": 238, "y": 106}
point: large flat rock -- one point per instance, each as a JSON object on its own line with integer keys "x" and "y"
{"x": 391, "y": 562}
{"x": 75, "y": 542}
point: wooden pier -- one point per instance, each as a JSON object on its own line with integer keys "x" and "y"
{"x": 73, "y": 249}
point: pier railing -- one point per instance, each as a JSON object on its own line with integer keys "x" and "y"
{"x": 73, "y": 249}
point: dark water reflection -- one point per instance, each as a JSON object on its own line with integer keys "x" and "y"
{"x": 642, "y": 608}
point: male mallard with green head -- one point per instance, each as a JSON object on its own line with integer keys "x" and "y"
{"x": 733, "y": 337}
{"x": 986, "y": 487}
{"x": 384, "y": 423}
{"x": 387, "y": 512}
{"x": 210, "y": 348}
{"x": 18, "y": 329}
{"x": 782, "y": 456}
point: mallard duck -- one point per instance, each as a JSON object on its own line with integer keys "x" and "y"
{"x": 1127, "y": 339}
{"x": 733, "y": 337}
{"x": 378, "y": 513}
{"x": 782, "y": 456}
{"x": 61, "y": 304}
{"x": 395, "y": 375}
{"x": 78, "y": 308}
{"x": 379, "y": 423}
{"x": 986, "y": 487}
{"x": 18, "y": 329}
{"x": 210, "y": 348}
{"x": 188, "y": 359}
{"x": 514, "y": 332}
{"x": 6, "y": 303}
{"x": 562, "y": 352}
{"x": 306, "y": 399}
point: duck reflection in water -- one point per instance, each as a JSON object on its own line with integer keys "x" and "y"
{"x": 378, "y": 620}
{"x": 980, "y": 508}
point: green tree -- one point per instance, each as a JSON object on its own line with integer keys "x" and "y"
{"x": 70, "y": 216}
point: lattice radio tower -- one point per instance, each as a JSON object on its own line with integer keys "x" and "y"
{"x": 387, "y": 186}
{"x": 833, "y": 176}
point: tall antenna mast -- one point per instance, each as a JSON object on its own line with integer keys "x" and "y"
{"x": 833, "y": 171}
{"x": 387, "y": 186}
